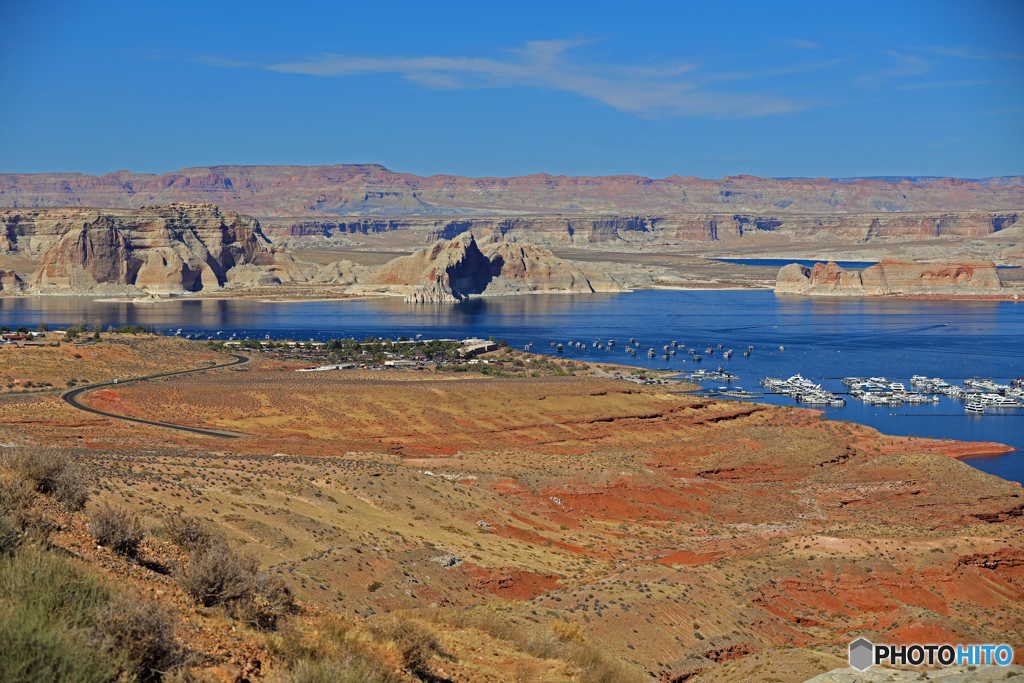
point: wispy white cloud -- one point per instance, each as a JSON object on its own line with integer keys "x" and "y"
{"x": 673, "y": 89}
{"x": 959, "y": 51}
{"x": 901, "y": 66}
{"x": 945, "y": 84}
{"x": 800, "y": 44}
{"x": 222, "y": 63}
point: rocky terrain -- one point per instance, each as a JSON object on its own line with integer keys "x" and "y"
{"x": 369, "y": 189}
{"x": 454, "y": 270}
{"x": 627, "y": 232}
{"x": 892, "y": 278}
{"x": 371, "y": 208}
{"x": 160, "y": 249}
{"x": 194, "y": 248}
{"x": 691, "y": 539}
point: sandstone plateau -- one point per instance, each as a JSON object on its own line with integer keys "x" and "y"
{"x": 892, "y": 278}
{"x": 628, "y": 231}
{"x": 373, "y": 189}
{"x": 195, "y": 247}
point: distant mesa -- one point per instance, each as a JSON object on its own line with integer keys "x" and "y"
{"x": 892, "y": 278}
{"x": 371, "y": 189}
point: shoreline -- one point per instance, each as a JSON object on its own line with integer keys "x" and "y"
{"x": 909, "y": 297}
{"x": 268, "y": 297}
{"x": 956, "y": 449}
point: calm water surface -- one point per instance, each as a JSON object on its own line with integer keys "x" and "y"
{"x": 825, "y": 339}
{"x": 779, "y": 262}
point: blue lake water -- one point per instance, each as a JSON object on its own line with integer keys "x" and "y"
{"x": 779, "y": 262}
{"x": 824, "y": 338}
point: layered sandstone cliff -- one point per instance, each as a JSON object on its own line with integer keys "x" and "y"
{"x": 163, "y": 249}
{"x": 183, "y": 247}
{"x": 968, "y": 278}
{"x": 458, "y": 269}
{"x": 371, "y": 189}
{"x": 632, "y": 230}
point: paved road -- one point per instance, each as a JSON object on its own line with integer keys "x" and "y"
{"x": 72, "y": 398}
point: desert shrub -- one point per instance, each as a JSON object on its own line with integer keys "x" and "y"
{"x": 336, "y": 653}
{"x": 597, "y": 667}
{"x": 560, "y": 639}
{"x": 8, "y": 535}
{"x": 69, "y": 488}
{"x": 140, "y": 632}
{"x": 49, "y": 471}
{"x": 270, "y": 601}
{"x": 221, "y": 576}
{"x": 16, "y": 492}
{"x": 47, "y": 606}
{"x": 218, "y": 575}
{"x": 188, "y": 533}
{"x": 117, "y": 528}
{"x": 568, "y": 631}
{"x": 347, "y": 670}
{"x": 415, "y": 642}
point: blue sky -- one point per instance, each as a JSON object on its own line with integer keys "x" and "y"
{"x": 500, "y": 89}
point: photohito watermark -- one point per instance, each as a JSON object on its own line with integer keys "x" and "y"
{"x": 864, "y": 653}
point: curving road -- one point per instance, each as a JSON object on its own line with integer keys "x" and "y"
{"x": 72, "y": 398}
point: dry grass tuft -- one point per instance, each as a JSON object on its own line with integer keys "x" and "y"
{"x": 416, "y": 644}
{"x": 336, "y": 654}
{"x": 561, "y": 639}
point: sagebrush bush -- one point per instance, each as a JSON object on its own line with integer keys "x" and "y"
{"x": 16, "y": 492}
{"x": 222, "y": 576}
{"x": 117, "y": 528}
{"x": 416, "y": 644}
{"x": 8, "y": 535}
{"x": 189, "y": 533}
{"x": 142, "y": 632}
{"x": 218, "y": 575}
{"x": 272, "y": 600}
{"x": 46, "y": 470}
{"x": 69, "y": 488}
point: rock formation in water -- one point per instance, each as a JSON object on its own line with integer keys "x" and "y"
{"x": 195, "y": 247}
{"x": 458, "y": 269}
{"x": 371, "y": 189}
{"x": 888, "y": 278}
{"x": 163, "y": 249}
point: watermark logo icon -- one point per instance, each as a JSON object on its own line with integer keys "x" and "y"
{"x": 862, "y": 654}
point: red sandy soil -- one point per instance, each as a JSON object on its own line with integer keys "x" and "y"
{"x": 685, "y": 536}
